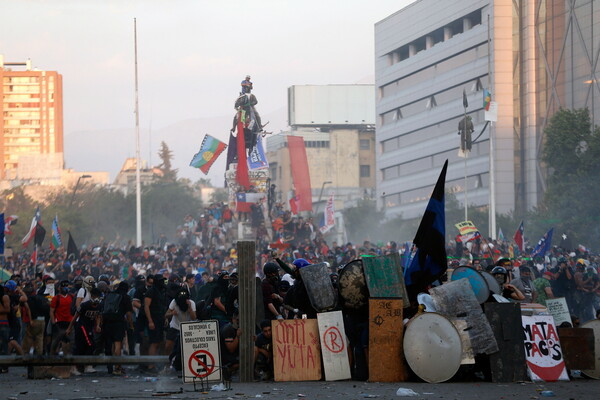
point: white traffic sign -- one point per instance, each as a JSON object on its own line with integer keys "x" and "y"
{"x": 201, "y": 351}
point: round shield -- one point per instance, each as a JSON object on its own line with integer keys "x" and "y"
{"x": 477, "y": 281}
{"x": 595, "y": 325}
{"x": 432, "y": 347}
{"x": 492, "y": 282}
{"x": 352, "y": 285}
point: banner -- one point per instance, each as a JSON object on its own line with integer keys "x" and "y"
{"x": 559, "y": 310}
{"x": 257, "y": 158}
{"x": 210, "y": 150}
{"x": 300, "y": 172}
{"x": 466, "y": 227}
{"x": 542, "y": 349}
{"x": 328, "y": 216}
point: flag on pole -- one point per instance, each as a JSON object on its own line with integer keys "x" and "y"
{"x": 543, "y": 245}
{"x": 244, "y": 201}
{"x": 487, "y": 99}
{"x": 429, "y": 262}
{"x": 210, "y": 150}
{"x": 40, "y": 234}
{"x": 328, "y": 221}
{"x": 72, "y": 250}
{"x": 500, "y": 235}
{"x": 34, "y": 222}
{"x": 8, "y": 222}
{"x": 520, "y": 237}
{"x": 56, "y": 235}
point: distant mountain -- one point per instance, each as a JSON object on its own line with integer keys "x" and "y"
{"x": 106, "y": 150}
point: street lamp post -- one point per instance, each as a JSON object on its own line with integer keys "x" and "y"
{"x": 321, "y": 194}
{"x": 76, "y": 187}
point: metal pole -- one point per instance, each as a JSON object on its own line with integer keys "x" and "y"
{"x": 466, "y": 155}
{"x": 321, "y": 195}
{"x": 492, "y": 216}
{"x": 138, "y": 191}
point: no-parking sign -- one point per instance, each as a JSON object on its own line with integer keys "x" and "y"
{"x": 201, "y": 351}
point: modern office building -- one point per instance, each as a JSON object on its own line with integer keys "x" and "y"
{"x": 31, "y": 116}
{"x": 541, "y": 55}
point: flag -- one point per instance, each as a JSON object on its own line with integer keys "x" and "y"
{"x": 543, "y": 245}
{"x": 520, "y": 237}
{"x": 257, "y": 158}
{"x": 328, "y": 221}
{"x": 430, "y": 262}
{"x": 241, "y": 174}
{"x": 243, "y": 201}
{"x": 210, "y": 150}
{"x": 8, "y": 222}
{"x": 300, "y": 172}
{"x": 467, "y": 237}
{"x": 465, "y": 101}
{"x": 40, "y": 234}
{"x": 466, "y": 227}
{"x": 31, "y": 234}
{"x": 2, "y": 227}
{"x": 72, "y": 250}
{"x": 56, "y": 235}
{"x": 487, "y": 99}
{"x": 500, "y": 235}
{"x": 406, "y": 255}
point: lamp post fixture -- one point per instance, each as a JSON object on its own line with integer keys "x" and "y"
{"x": 321, "y": 194}
{"x": 76, "y": 187}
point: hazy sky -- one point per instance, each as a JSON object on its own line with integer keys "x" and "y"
{"x": 192, "y": 55}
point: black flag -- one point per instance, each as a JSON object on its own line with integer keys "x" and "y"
{"x": 465, "y": 101}
{"x": 72, "y": 250}
{"x": 40, "y": 234}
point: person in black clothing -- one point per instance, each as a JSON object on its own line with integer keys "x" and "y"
{"x": 85, "y": 322}
{"x": 39, "y": 309}
{"x": 230, "y": 342}
{"x": 272, "y": 301}
{"x": 155, "y": 308}
{"x": 263, "y": 352}
{"x": 113, "y": 322}
{"x": 141, "y": 323}
{"x": 508, "y": 291}
{"x": 297, "y": 296}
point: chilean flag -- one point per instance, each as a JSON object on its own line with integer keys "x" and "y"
{"x": 519, "y": 237}
{"x": 243, "y": 201}
{"x": 34, "y": 222}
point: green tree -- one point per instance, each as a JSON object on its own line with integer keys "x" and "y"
{"x": 362, "y": 222}
{"x": 166, "y": 155}
{"x": 572, "y": 153}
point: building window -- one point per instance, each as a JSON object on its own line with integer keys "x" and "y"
{"x": 365, "y": 144}
{"x": 365, "y": 171}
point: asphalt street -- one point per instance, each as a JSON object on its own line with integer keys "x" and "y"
{"x": 15, "y": 386}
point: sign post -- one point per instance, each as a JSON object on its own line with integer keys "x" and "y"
{"x": 201, "y": 351}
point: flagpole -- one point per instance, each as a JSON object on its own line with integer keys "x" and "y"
{"x": 138, "y": 194}
{"x": 492, "y": 217}
{"x": 466, "y": 155}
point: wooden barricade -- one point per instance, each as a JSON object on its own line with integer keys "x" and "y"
{"x": 386, "y": 355}
{"x": 296, "y": 350}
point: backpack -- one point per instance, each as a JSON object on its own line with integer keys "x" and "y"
{"x": 112, "y": 306}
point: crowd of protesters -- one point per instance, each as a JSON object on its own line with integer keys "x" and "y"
{"x": 126, "y": 300}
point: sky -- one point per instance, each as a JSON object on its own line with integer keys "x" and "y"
{"x": 192, "y": 56}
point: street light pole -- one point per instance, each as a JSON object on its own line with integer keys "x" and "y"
{"x": 77, "y": 186}
{"x": 321, "y": 195}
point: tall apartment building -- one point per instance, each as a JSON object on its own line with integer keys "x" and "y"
{"x": 31, "y": 116}
{"x": 541, "y": 56}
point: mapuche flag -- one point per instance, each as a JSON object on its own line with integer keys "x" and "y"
{"x": 210, "y": 150}
{"x": 56, "y": 241}
{"x": 430, "y": 262}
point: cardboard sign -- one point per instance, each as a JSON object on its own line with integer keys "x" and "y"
{"x": 465, "y": 227}
{"x": 201, "y": 351}
{"x": 386, "y": 355}
{"x": 296, "y": 350}
{"x": 334, "y": 346}
{"x": 543, "y": 352}
{"x": 559, "y": 310}
{"x": 385, "y": 278}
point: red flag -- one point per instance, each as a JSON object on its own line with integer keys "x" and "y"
{"x": 294, "y": 205}
{"x": 520, "y": 236}
{"x": 300, "y": 172}
{"x": 242, "y": 165}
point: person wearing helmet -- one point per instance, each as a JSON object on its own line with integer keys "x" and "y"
{"x": 508, "y": 290}
{"x": 272, "y": 301}
{"x": 246, "y": 85}
{"x": 297, "y": 296}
